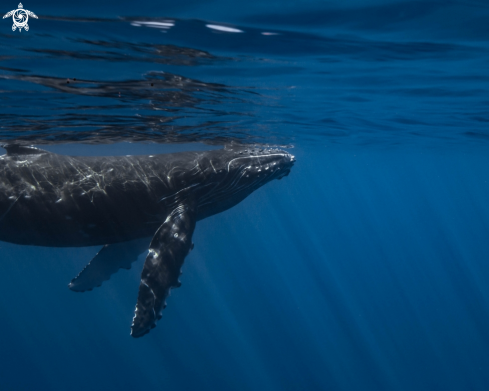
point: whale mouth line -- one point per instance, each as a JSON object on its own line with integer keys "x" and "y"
{"x": 284, "y": 174}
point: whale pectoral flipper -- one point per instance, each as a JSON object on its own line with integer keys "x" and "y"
{"x": 108, "y": 260}
{"x": 161, "y": 270}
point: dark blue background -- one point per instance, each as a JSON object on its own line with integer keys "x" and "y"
{"x": 365, "y": 269}
{"x": 361, "y": 270}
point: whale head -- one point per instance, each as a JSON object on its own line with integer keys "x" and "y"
{"x": 239, "y": 171}
{"x": 253, "y": 167}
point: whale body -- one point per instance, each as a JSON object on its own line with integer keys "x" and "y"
{"x": 127, "y": 204}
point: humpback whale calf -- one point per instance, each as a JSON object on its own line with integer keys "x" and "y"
{"x": 127, "y": 204}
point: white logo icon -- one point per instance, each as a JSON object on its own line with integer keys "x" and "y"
{"x": 20, "y": 17}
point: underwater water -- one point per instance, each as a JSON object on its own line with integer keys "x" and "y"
{"x": 367, "y": 268}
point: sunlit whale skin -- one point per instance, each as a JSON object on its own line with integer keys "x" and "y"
{"x": 128, "y": 204}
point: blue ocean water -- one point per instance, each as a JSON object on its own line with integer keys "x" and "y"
{"x": 365, "y": 269}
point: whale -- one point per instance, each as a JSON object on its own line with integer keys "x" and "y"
{"x": 127, "y": 205}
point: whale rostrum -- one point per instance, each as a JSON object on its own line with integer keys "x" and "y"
{"x": 127, "y": 204}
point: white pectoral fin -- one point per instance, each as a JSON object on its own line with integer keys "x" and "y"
{"x": 108, "y": 261}
{"x": 32, "y": 14}
{"x": 167, "y": 251}
{"x": 8, "y": 14}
